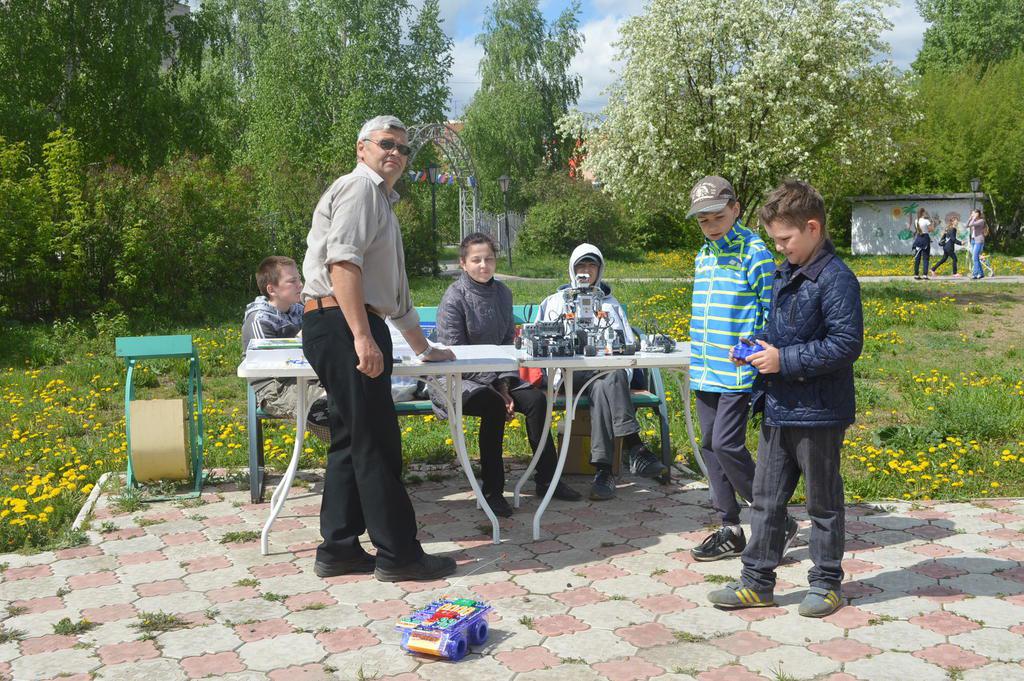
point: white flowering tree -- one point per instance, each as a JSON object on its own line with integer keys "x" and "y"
{"x": 754, "y": 90}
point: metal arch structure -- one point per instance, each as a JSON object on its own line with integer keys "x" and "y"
{"x": 460, "y": 164}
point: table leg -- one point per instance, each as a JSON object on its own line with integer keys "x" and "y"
{"x": 571, "y": 401}
{"x": 562, "y": 452}
{"x": 452, "y": 392}
{"x": 684, "y": 395}
{"x": 550, "y": 395}
{"x": 281, "y": 491}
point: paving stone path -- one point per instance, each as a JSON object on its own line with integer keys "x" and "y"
{"x": 935, "y": 591}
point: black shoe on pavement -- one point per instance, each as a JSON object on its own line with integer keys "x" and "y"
{"x": 562, "y": 491}
{"x": 644, "y": 463}
{"x": 791, "y": 529}
{"x": 425, "y": 569}
{"x": 361, "y": 565}
{"x": 500, "y": 507}
{"x": 603, "y": 487}
{"x": 722, "y": 544}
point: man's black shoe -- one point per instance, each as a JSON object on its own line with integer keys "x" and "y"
{"x": 425, "y": 569}
{"x": 500, "y": 507}
{"x": 562, "y": 491}
{"x": 722, "y": 544}
{"x": 361, "y": 565}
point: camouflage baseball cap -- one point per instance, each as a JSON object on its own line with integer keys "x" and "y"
{"x": 710, "y": 195}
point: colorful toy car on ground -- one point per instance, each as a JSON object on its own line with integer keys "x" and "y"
{"x": 445, "y": 628}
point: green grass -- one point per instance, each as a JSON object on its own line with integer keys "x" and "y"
{"x": 240, "y": 537}
{"x": 153, "y": 622}
{"x": 62, "y": 407}
{"x": 66, "y": 627}
{"x": 9, "y": 635}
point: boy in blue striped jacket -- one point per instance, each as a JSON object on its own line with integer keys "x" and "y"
{"x": 732, "y": 288}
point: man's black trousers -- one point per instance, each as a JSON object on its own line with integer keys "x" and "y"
{"x": 363, "y": 489}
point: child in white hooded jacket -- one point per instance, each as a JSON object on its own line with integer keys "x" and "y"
{"x": 611, "y": 411}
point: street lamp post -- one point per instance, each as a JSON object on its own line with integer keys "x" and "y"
{"x": 432, "y": 172}
{"x": 975, "y": 187}
{"x": 504, "y": 181}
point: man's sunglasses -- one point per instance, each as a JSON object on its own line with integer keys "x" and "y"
{"x": 390, "y": 145}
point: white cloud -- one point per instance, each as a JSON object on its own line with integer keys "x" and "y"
{"x": 595, "y": 62}
{"x": 907, "y": 33}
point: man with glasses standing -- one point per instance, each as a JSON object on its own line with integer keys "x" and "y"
{"x": 355, "y": 278}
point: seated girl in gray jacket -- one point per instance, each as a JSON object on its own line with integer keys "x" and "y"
{"x": 477, "y": 310}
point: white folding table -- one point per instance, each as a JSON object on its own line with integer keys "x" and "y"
{"x": 290, "y": 363}
{"x": 602, "y": 365}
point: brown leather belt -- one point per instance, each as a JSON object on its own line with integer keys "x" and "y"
{"x": 320, "y": 303}
{"x": 328, "y": 302}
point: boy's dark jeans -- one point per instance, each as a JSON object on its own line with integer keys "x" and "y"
{"x": 782, "y": 455}
{"x": 723, "y": 446}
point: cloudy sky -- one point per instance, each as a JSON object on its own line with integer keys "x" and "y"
{"x": 600, "y": 21}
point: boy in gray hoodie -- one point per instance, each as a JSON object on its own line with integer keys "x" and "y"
{"x": 611, "y": 411}
{"x": 278, "y": 314}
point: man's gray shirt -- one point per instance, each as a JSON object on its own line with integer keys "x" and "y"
{"x": 354, "y": 222}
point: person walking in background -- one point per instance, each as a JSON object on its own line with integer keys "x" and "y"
{"x": 948, "y": 241}
{"x": 978, "y": 230}
{"x": 922, "y": 244}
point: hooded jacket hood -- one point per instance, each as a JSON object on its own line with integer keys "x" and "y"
{"x": 580, "y": 252}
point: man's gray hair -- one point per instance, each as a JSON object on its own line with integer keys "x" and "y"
{"x": 380, "y": 123}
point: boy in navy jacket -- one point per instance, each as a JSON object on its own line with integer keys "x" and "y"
{"x": 815, "y": 333}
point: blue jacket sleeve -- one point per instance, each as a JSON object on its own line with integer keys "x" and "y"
{"x": 760, "y": 276}
{"x": 844, "y": 332}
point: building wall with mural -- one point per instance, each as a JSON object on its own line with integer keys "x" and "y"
{"x": 884, "y": 225}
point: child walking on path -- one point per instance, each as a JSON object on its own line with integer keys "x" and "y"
{"x": 814, "y": 335}
{"x": 731, "y": 299}
{"x": 949, "y": 242}
{"x": 922, "y": 244}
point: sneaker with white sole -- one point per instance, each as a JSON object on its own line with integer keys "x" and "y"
{"x": 644, "y": 463}
{"x": 725, "y": 543}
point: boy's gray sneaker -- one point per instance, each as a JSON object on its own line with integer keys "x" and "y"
{"x": 425, "y": 569}
{"x": 791, "y": 529}
{"x": 603, "y": 487}
{"x": 735, "y": 595}
{"x": 820, "y": 602}
{"x": 644, "y": 463}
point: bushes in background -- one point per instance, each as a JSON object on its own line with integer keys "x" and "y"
{"x": 79, "y": 239}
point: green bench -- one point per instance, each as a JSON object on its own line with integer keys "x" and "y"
{"x": 650, "y": 396}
